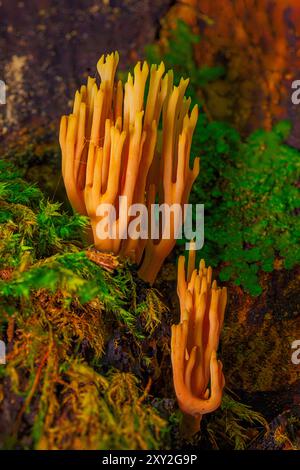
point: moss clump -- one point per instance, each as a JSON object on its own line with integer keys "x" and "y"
{"x": 59, "y": 305}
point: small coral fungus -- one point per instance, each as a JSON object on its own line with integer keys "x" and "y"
{"x": 112, "y": 149}
{"x": 195, "y": 342}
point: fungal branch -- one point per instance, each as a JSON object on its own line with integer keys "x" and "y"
{"x": 197, "y": 373}
{"x": 123, "y": 144}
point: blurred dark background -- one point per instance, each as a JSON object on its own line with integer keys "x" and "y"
{"x": 48, "y": 47}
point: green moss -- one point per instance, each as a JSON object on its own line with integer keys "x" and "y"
{"x": 59, "y": 306}
{"x": 255, "y": 221}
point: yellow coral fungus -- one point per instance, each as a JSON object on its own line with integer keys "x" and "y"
{"x": 111, "y": 153}
{"x": 195, "y": 341}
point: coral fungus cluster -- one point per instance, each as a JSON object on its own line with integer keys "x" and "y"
{"x": 112, "y": 146}
{"x": 195, "y": 341}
